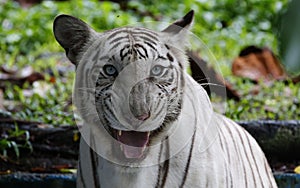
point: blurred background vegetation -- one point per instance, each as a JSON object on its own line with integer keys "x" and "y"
{"x": 224, "y": 26}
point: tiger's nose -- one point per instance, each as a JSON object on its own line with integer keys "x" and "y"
{"x": 144, "y": 116}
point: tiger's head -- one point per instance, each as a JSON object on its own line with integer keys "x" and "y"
{"x": 134, "y": 77}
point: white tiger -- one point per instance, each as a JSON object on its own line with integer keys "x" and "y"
{"x": 147, "y": 123}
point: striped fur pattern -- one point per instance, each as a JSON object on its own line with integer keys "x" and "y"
{"x": 135, "y": 45}
{"x": 137, "y": 96}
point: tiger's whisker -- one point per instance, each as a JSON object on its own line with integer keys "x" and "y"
{"x": 202, "y": 79}
{"x": 212, "y": 84}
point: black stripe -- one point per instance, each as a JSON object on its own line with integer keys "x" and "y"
{"x": 187, "y": 166}
{"x": 115, "y": 45}
{"x": 150, "y": 45}
{"x": 236, "y": 150}
{"x": 222, "y": 147}
{"x": 96, "y": 53}
{"x": 81, "y": 176}
{"x": 141, "y": 46}
{"x": 267, "y": 171}
{"x": 94, "y": 59}
{"x": 245, "y": 152}
{"x": 102, "y": 76}
{"x": 228, "y": 155}
{"x": 121, "y": 52}
{"x": 148, "y": 40}
{"x": 170, "y": 57}
{"x": 94, "y": 164}
{"x": 220, "y": 140}
{"x": 161, "y": 57}
{"x": 110, "y": 111}
{"x": 159, "y": 167}
{"x": 166, "y": 164}
{"x": 136, "y": 31}
{"x": 146, "y": 30}
{"x": 104, "y": 58}
{"x": 161, "y": 109}
{"x": 180, "y": 65}
{"x": 118, "y": 44}
{"x": 126, "y": 54}
{"x": 165, "y": 74}
{"x": 257, "y": 170}
{"x": 117, "y": 39}
{"x": 163, "y": 168}
{"x": 139, "y": 33}
{"x": 140, "y": 53}
{"x": 115, "y": 32}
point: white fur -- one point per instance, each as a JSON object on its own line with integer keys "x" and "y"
{"x": 209, "y": 164}
{"x": 223, "y": 154}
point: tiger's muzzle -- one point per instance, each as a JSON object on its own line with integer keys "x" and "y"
{"x": 139, "y": 99}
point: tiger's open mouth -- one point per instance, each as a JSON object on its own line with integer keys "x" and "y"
{"x": 132, "y": 143}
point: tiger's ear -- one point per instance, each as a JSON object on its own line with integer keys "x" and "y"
{"x": 73, "y": 35}
{"x": 178, "y": 31}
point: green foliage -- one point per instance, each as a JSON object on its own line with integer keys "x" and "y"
{"x": 289, "y": 38}
{"x": 224, "y": 26}
{"x": 51, "y": 107}
{"x": 14, "y": 139}
{"x": 24, "y": 30}
{"x": 279, "y": 101}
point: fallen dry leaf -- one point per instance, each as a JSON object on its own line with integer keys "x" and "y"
{"x": 19, "y": 77}
{"x": 258, "y": 64}
{"x": 28, "y": 3}
{"x": 6, "y": 70}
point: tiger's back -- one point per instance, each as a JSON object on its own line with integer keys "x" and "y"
{"x": 147, "y": 123}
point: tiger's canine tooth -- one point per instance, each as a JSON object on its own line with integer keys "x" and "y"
{"x": 120, "y": 133}
{"x": 148, "y": 133}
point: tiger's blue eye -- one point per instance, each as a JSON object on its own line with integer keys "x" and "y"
{"x": 110, "y": 70}
{"x": 157, "y": 70}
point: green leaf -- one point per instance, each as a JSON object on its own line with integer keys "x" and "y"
{"x": 14, "y": 145}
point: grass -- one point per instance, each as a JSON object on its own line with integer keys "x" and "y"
{"x": 278, "y": 101}
{"x": 15, "y": 139}
{"x": 27, "y": 40}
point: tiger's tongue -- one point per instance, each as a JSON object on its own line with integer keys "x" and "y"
{"x": 133, "y": 143}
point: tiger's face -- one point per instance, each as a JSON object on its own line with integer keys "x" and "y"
{"x": 137, "y": 75}
{"x": 138, "y": 91}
